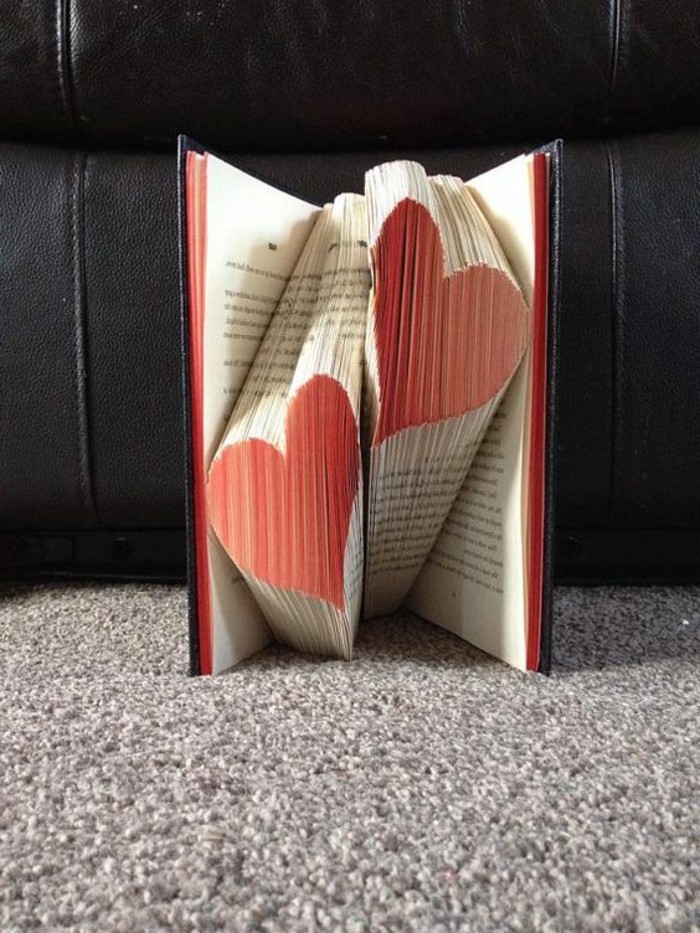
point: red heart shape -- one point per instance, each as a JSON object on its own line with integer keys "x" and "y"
{"x": 284, "y": 517}
{"x": 445, "y": 344}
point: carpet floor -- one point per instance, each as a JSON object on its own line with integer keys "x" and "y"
{"x": 421, "y": 786}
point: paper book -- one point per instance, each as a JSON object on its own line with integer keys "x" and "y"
{"x": 368, "y": 407}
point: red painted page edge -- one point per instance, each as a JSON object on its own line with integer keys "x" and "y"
{"x": 537, "y": 454}
{"x": 196, "y": 251}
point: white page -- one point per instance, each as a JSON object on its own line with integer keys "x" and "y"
{"x": 254, "y": 236}
{"x": 318, "y": 330}
{"x": 473, "y": 582}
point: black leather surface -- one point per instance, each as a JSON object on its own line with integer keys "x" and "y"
{"x": 36, "y": 96}
{"x": 251, "y": 75}
{"x": 130, "y": 254}
{"x": 44, "y": 464}
{"x": 656, "y": 337}
{"x": 585, "y": 389}
{"x": 655, "y": 72}
{"x": 90, "y": 402}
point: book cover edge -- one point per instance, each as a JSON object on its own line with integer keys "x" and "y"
{"x": 555, "y": 150}
{"x": 185, "y": 145}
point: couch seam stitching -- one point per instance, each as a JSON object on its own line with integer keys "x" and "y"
{"x": 617, "y": 324}
{"x": 615, "y": 33}
{"x": 79, "y": 335}
{"x": 64, "y": 60}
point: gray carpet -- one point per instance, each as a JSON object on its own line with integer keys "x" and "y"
{"x": 421, "y": 786}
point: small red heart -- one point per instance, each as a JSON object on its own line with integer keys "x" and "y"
{"x": 445, "y": 344}
{"x": 284, "y": 517}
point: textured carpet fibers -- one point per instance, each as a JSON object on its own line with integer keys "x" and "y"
{"x": 421, "y": 786}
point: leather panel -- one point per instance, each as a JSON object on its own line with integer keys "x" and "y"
{"x": 334, "y": 76}
{"x": 134, "y": 345}
{"x": 275, "y": 76}
{"x": 35, "y": 70}
{"x": 45, "y": 472}
{"x": 656, "y": 64}
{"x": 91, "y": 405}
{"x": 657, "y": 332}
{"x": 584, "y": 390}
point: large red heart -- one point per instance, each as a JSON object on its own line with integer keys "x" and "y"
{"x": 445, "y": 344}
{"x": 284, "y": 517}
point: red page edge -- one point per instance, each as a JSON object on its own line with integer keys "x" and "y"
{"x": 538, "y": 405}
{"x": 196, "y": 252}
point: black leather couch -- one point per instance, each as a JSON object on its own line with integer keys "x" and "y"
{"x": 92, "y": 96}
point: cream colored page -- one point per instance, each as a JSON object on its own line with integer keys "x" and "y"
{"x": 254, "y": 236}
{"x": 419, "y": 482}
{"x": 318, "y": 329}
{"x": 416, "y": 473}
{"x": 473, "y": 582}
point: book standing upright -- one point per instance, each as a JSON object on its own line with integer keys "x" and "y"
{"x": 273, "y": 286}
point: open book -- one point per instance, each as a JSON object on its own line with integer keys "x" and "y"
{"x": 368, "y": 407}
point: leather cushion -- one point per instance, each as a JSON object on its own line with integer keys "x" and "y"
{"x": 90, "y": 401}
{"x": 331, "y": 75}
